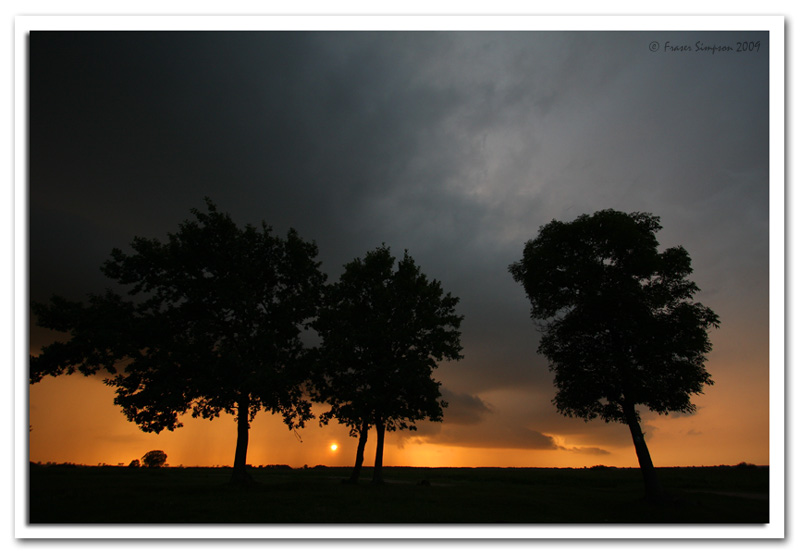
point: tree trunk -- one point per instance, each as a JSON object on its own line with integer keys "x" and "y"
{"x": 362, "y": 442}
{"x": 377, "y": 473}
{"x": 240, "y": 475}
{"x": 652, "y": 488}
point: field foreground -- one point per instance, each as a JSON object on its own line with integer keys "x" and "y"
{"x": 85, "y": 494}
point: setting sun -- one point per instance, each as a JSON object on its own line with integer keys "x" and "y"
{"x": 334, "y": 447}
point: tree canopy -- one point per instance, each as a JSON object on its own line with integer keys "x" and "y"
{"x": 211, "y": 322}
{"x": 154, "y": 458}
{"x": 384, "y": 330}
{"x": 619, "y": 324}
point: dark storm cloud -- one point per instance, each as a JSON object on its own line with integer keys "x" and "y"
{"x": 586, "y": 450}
{"x": 516, "y": 437}
{"x": 505, "y": 434}
{"x": 455, "y": 146}
{"x": 503, "y": 429}
{"x": 464, "y": 409}
{"x": 516, "y": 419}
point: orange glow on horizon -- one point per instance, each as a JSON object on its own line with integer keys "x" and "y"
{"x": 73, "y": 420}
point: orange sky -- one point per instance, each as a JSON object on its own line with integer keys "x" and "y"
{"x": 74, "y": 420}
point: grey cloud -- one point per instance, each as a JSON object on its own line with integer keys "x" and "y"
{"x": 506, "y": 437}
{"x": 586, "y": 450}
{"x": 520, "y": 419}
{"x": 488, "y": 435}
{"x": 463, "y": 408}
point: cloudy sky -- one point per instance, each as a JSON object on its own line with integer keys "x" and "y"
{"x": 456, "y": 146}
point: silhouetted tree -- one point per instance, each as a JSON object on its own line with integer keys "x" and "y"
{"x": 154, "y": 458}
{"x": 134, "y": 463}
{"x": 618, "y": 323}
{"x": 212, "y": 323}
{"x": 383, "y": 331}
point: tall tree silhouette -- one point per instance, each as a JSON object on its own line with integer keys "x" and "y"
{"x": 618, "y": 323}
{"x": 383, "y": 330}
{"x": 211, "y": 322}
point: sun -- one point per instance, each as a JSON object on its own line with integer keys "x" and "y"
{"x": 334, "y": 447}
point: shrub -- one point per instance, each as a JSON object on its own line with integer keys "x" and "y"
{"x": 154, "y": 458}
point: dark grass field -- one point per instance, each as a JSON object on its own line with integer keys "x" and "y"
{"x": 83, "y": 494}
